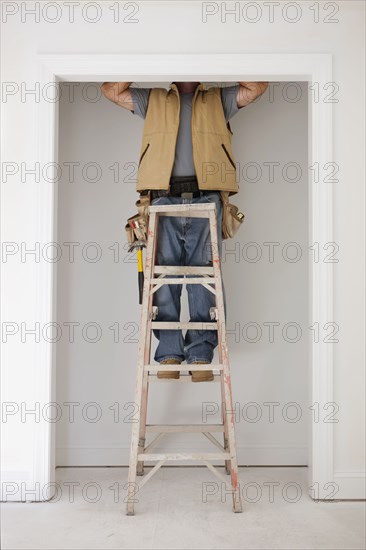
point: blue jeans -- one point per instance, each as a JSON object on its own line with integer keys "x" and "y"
{"x": 186, "y": 241}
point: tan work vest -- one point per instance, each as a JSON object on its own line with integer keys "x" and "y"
{"x": 211, "y": 140}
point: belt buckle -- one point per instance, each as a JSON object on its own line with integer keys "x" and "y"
{"x": 187, "y": 195}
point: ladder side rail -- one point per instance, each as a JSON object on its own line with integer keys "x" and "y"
{"x": 224, "y": 359}
{"x": 141, "y": 356}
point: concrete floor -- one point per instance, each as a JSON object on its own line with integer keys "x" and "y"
{"x": 183, "y": 508}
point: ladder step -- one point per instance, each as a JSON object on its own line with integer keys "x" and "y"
{"x": 183, "y": 367}
{"x": 184, "y": 378}
{"x": 189, "y": 428}
{"x": 183, "y": 270}
{"x": 191, "y": 210}
{"x": 183, "y": 280}
{"x": 182, "y": 456}
{"x": 171, "y": 325}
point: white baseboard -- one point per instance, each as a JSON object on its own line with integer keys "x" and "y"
{"x": 14, "y": 485}
{"x": 352, "y": 484}
{"x": 257, "y": 455}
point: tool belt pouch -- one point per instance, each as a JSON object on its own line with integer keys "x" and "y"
{"x": 232, "y": 219}
{"x": 137, "y": 225}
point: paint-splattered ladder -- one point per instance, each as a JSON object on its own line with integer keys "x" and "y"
{"x": 210, "y": 278}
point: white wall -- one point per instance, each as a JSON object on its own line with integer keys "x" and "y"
{"x": 258, "y": 292}
{"x": 159, "y": 26}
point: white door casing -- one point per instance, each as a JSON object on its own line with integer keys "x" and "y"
{"x": 316, "y": 69}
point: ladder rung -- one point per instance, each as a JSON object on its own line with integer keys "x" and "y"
{"x": 189, "y": 428}
{"x": 184, "y": 378}
{"x": 191, "y": 210}
{"x": 183, "y": 281}
{"x": 195, "y": 207}
{"x": 183, "y": 270}
{"x": 182, "y": 456}
{"x": 184, "y": 367}
{"x": 186, "y": 213}
{"x": 170, "y": 325}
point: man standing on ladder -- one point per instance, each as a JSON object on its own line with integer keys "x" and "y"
{"x": 185, "y": 157}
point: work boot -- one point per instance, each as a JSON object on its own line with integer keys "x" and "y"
{"x": 201, "y": 375}
{"x": 169, "y": 373}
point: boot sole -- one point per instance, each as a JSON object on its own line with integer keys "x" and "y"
{"x": 168, "y": 374}
{"x": 207, "y": 377}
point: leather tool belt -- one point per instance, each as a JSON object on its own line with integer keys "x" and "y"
{"x": 184, "y": 186}
{"x": 178, "y": 186}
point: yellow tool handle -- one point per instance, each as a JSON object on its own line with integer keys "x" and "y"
{"x": 140, "y": 273}
{"x": 139, "y": 260}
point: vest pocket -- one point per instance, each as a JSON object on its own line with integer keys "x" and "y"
{"x": 228, "y": 156}
{"x": 144, "y": 151}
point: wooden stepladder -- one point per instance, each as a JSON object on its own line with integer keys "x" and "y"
{"x": 154, "y": 277}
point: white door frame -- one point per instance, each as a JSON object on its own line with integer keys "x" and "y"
{"x": 313, "y": 68}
